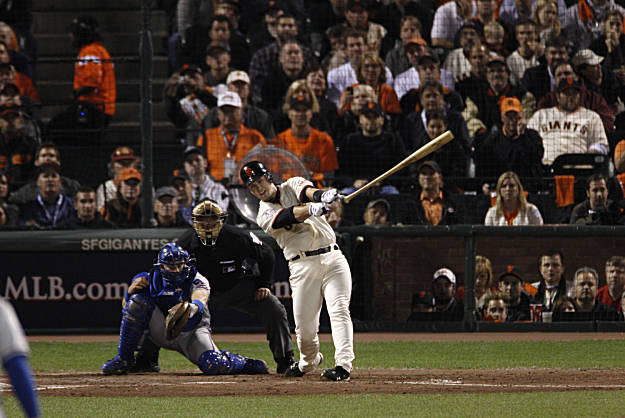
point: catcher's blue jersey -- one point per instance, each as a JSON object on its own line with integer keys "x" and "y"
{"x": 165, "y": 294}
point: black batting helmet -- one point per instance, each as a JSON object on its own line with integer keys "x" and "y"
{"x": 252, "y": 171}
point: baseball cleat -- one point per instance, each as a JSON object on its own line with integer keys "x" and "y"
{"x": 336, "y": 374}
{"x": 294, "y": 371}
{"x": 144, "y": 367}
{"x": 255, "y": 367}
{"x": 284, "y": 364}
{"x": 117, "y": 366}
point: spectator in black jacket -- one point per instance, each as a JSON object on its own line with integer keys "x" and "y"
{"x": 510, "y": 282}
{"x": 431, "y": 204}
{"x": 511, "y": 148}
{"x": 552, "y": 285}
{"x": 413, "y": 129}
{"x": 87, "y": 216}
{"x": 597, "y": 209}
{"x": 585, "y": 286}
{"x": 539, "y": 80}
{"x": 371, "y": 151}
{"x": 443, "y": 289}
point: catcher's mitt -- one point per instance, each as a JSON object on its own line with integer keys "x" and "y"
{"x": 177, "y": 318}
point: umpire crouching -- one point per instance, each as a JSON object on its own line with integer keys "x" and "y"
{"x": 239, "y": 268}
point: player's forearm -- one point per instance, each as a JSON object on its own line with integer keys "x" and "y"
{"x": 202, "y": 295}
{"x": 301, "y": 213}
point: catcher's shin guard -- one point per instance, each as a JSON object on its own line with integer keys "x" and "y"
{"x": 135, "y": 321}
{"x": 224, "y": 362}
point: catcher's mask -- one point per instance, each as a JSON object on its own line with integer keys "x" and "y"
{"x": 252, "y": 171}
{"x": 174, "y": 262}
{"x": 208, "y": 219}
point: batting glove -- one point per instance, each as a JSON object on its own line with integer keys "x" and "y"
{"x": 317, "y": 209}
{"x": 330, "y": 196}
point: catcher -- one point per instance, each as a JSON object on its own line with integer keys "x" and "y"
{"x": 170, "y": 301}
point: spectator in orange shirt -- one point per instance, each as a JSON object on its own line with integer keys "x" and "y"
{"x": 8, "y": 75}
{"x": 371, "y": 71}
{"x": 313, "y": 147}
{"x": 228, "y": 143}
{"x": 94, "y": 76}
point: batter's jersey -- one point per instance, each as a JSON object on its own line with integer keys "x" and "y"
{"x": 312, "y": 234}
{"x": 577, "y": 132}
{"x": 12, "y": 339}
{"x": 94, "y": 68}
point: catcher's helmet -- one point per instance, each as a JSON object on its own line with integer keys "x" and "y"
{"x": 174, "y": 262}
{"x": 208, "y": 219}
{"x": 252, "y": 171}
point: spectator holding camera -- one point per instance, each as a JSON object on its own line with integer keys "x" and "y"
{"x": 597, "y": 209}
{"x": 188, "y": 100}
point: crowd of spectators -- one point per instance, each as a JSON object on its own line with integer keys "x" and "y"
{"x": 509, "y": 296}
{"x": 349, "y": 88}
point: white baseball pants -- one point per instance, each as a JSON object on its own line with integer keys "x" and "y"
{"x": 313, "y": 279}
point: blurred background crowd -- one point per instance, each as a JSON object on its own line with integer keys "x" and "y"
{"x": 335, "y": 90}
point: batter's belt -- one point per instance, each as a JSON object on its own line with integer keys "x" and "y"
{"x": 316, "y": 252}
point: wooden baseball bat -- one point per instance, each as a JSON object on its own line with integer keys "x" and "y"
{"x": 427, "y": 149}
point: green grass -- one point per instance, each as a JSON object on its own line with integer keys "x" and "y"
{"x": 591, "y": 404}
{"x": 586, "y": 354}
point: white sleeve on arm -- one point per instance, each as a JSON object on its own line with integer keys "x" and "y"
{"x": 598, "y": 141}
{"x": 12, "y": 339}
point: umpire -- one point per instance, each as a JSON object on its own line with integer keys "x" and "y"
{"x": 239, "y": 268}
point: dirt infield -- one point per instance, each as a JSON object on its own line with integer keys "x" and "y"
{"x": 172, "y": 384}
{"x": 398, "y": 381}
{"x": 382, "y": 336}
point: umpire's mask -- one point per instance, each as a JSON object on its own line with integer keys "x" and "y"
{"x": 208, "y": 219}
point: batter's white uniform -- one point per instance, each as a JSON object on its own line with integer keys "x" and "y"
{"x": 12, "y": 339}
{"x": 313, "y": 278}
{"x": 577, "y": 132}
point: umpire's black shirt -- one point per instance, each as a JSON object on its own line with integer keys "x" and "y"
{"x": 236, "y": 254}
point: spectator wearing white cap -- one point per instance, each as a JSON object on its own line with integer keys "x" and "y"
{"x": 589, "y": 67}
{"x": 253, "y": 116}
{"x": 228, "y": 143}
{"x": 443, "y": 289}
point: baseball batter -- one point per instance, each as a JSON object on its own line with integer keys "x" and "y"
{"x": 292, "y": 213}
{"x": 156, "y": 294}
{"x": 13, "y": 353}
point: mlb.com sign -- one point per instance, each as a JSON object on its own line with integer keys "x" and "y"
{"x": 52, "y": 288}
